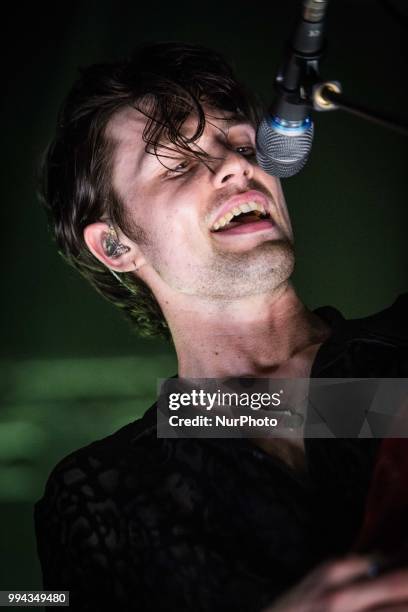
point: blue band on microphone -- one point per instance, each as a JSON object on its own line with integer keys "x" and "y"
{"x": 290, "y": 128}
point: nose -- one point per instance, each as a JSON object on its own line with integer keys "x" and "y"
{"x": 233, "y": 167}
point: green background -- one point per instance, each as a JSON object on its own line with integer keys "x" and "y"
{"x": 71, "y": 369}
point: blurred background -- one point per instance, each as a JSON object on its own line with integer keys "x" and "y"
{"x": 72, "y": 370}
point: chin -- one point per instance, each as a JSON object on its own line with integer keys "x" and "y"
{"x": 262, "y": 270}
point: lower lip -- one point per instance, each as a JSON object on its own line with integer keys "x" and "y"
{"x": 247, "y": 228}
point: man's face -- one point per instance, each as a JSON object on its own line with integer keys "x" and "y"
{"x": 179, "y": 209}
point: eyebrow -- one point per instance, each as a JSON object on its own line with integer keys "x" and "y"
{"x": 238, "y": 119}
{"x": 233, "y": 120}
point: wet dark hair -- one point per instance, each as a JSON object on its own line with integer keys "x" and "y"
{"x": 167, "y": 82}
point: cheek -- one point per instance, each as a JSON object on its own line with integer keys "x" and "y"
{"x": 182, "y": 246}
{"x": 171, "y": 220}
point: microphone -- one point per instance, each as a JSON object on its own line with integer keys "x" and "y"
{"x": 284, "y": 138}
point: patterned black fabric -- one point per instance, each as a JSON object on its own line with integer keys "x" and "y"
{"x": 136, "y": 523}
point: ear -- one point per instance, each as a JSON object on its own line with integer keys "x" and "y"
{"x": 95, "y": 236}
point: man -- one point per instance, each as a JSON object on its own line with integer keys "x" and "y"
{"x": 154, "y": 194}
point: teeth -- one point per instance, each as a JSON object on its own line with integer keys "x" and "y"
{"x": 225, "y": 219}
{"x": 245, "y": 207}
{"x": 242, "y": 208}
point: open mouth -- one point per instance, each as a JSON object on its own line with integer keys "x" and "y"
{"x": 247, "y": 217}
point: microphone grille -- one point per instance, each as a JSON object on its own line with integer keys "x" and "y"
{"x": 283, "y": 152}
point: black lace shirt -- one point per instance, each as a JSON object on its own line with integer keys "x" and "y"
{"x": 136, "y": 523}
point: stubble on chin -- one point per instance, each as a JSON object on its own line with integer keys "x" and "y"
{"x": 262, "y": 270}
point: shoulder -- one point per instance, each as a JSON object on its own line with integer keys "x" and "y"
{"x": 390, "y": 324}
{"x": 100, "y": 469}
{"x": 79, "y": 522}
{"x": 371, "y": 346}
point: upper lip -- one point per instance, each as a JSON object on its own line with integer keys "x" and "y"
{"x": 242, "y": 198}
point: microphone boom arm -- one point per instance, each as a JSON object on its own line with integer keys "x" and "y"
{"x": 328, "y": 96}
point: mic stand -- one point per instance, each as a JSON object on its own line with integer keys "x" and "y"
{"x": 328, "y": 96}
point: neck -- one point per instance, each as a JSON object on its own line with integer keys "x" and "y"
{"x": 253, "y": 336}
